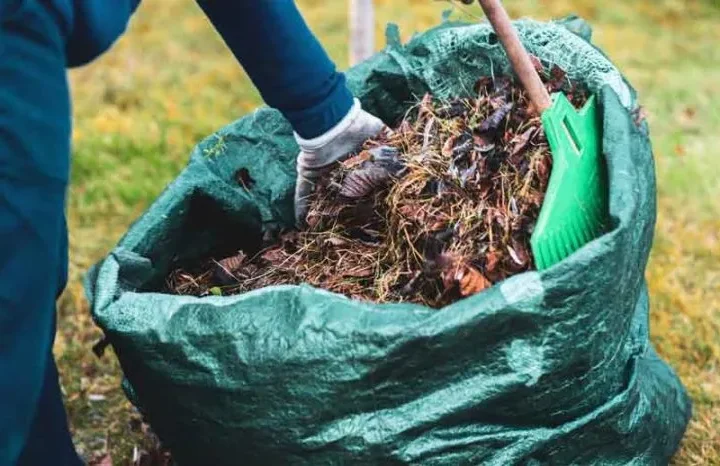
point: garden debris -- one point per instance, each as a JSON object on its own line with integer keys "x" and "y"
{"x": 438, "y": 209}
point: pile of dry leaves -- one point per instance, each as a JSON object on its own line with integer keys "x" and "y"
{"x": 438, "y": 210}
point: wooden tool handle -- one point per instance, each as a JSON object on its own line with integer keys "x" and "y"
{"x": 519, "y": 58}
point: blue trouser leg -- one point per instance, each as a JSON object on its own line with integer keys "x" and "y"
{"x": 284, "y": 60}
{"x": 34, "y": 166}
{"x": 49, "y": 431}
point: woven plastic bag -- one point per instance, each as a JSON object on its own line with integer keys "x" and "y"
{"x": 544, "y": 368}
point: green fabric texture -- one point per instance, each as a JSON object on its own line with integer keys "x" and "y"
{"x": 544, "y": 368}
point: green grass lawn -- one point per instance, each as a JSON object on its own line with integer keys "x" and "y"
{"x": 170, "y": 82}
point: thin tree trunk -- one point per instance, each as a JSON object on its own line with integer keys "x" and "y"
{"x": 362, "y": 30}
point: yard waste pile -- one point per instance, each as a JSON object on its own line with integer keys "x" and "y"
{"x": 440, "y": 209}
{"x": 542, "y": 367}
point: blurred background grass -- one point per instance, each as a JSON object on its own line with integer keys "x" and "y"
{"x": 170, "y": 82}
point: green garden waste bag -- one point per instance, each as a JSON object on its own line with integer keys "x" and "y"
{"x": 551, "y": 367}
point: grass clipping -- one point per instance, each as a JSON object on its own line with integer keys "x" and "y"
{"x": 438, "y": 209}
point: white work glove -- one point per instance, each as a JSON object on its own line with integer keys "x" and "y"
{"x": 319, "y": 155}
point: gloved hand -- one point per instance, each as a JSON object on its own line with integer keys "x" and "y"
{"x": 319, "y": 155}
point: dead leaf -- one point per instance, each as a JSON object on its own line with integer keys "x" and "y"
{"x": 447, "y": 149}
{"x": 521, "y": 142}
{"x": 427, "y": 134}
{"x": 557, "y": 79}
{"x": 335, "y": 241}
{"x": 426, "y": 107}
{"x": 495, "y": 119}
{"x": 543, "y": 168}
{"x": 438, "y": 225}
{"x": 483, "y": 84}
{"x": 471, "y": 281}
{"x": 273, "y": 255}
{"x": 361, "y": 182}
{"x": 491, "y": 261}
{"x": 226, "y": 268}
{"x": 233, "y": 263}
{"x": 357, "y": 160}
{"x": 413, "y": 212}
{"x": 483, "y": 143}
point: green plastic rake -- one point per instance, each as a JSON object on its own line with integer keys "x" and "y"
{"x": 574, "y": 211}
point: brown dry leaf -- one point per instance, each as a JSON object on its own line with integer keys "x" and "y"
{"x": 496, "y": 118}
{"x": 274, "y": 255}
{"x": 426, "y": 107}
{"x": 448, "y": 277}
{"x": 491, "y": 260}
{"x": 405, "y": 127}
{"x": 543, "y": 168}
{"x": 471, "y": 280}
{"x": 232, "y": 263}
{"x": 427, "y": 134}
{"x": 335, "y": 241}
{"x": 483, "y": 84}
{"x": 483, "y": 143}
{"x": 357, "y": 160}
{"x": 413, "y": 212}
{"x": 438, "y": 225}
{"x": 361, "y": 182}
{"x": 447, "y": 149}
{"x": 521, "y": 142}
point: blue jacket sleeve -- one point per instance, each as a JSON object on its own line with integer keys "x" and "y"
{"x": 97, "y": 24}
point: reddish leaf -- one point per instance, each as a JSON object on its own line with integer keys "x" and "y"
{"x": 471, "y": 281}
{"x": 357, "y": 160}
{"x": 274, "y": 255}
{"x": 447, "y": 149}
{"x": 491, "y": 261}
{"x": 557, "y": 79}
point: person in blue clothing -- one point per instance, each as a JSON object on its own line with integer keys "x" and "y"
{"x": 39, "y": 40}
